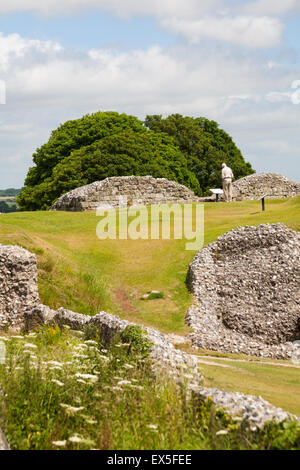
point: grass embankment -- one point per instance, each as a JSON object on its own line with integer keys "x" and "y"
{"x": 80, "y": 272}
{"x": 61, "y": 392}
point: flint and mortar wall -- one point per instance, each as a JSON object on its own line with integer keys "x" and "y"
{"x": 18, "y": 285}
{"x": 273, "y": 185}
{"x": 140, "y": 190}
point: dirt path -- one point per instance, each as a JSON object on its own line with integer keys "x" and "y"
{"x": 228, "y": 359}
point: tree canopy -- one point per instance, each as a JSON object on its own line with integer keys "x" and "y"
{"x": 184, "y": 149}
{"x": 205, "y": 147}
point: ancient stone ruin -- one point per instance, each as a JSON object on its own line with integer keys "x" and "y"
{"x": 273, "y": 185}
{"x": 18, "y": 285}
{"x": 139, "y": 190}
{"x": 20, "y": 308}
{"x": 247, "y": 287}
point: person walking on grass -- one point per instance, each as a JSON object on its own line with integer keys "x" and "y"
{"x": 227, "y": 176}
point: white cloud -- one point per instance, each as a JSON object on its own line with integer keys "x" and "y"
{"x": 245, "y": 30}
{"x": 270, "y": 7}
{"x": 251, "y": 25}
{"x": 186, "y": 8}
{"x": 47, "y": 85}
{"x": 14, "y": 47}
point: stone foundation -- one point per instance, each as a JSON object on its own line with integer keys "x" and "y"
{"x": 247, "y": 288}
{"x": 139, "y": 190}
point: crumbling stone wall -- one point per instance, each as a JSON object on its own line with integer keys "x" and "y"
{"x": 18, "y": 285}
{"x": 247, "y": 287}
{"x": 254, "y": 186}
{"x": 140, "y": 190}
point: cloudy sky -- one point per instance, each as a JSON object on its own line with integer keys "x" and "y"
{"x": 237, "y": 62}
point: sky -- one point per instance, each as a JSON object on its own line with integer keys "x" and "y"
{"x": 236, "y": 62}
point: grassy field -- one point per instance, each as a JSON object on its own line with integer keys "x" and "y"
{"x": 85, "y": 274}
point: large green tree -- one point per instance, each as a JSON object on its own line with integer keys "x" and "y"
{"x": 205, "y": 147}
{"x": 184, "y": 149}
{"x": 126, "y": 153}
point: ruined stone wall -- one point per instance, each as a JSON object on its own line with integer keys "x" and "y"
{"x": 273, "y": 185}
{"x": 140, "y": 190}
{"x": 18, "y": 285}
{"x": 247, "y": 287}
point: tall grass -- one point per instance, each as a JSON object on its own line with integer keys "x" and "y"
{"x": 61, "y": 391}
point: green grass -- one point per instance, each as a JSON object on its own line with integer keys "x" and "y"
{"x": 61, "y": 392}
{"x": 85, "y": 274}
{"x": 276, "y": 381}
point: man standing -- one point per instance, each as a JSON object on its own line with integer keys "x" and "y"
{"x": 227, "y": 176}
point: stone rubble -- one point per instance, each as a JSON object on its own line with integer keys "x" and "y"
{"x": 139, "y": 190}
{"x": 4, "y": 445}
{"x": 247, "y": 288}
{"x": 273, "y": 185}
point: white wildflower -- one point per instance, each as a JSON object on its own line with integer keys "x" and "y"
{"x": 57, "y": 382}
{"x": 222, "y": 432}
{"x": 32, "y": 335}
{"x": 137, "y": 387}
{"x": 30, "y": 345}
{"x": 76, "y": 439}
{"x": 81, "y": 381}
{"x": 55, "y": 368}
{"x": 17, "y": 337}
{"x": 153, "y": 427}
{"x": 55, "y": 363}
{"x": 188, "y": 376}
{"x": 128, "y": 366}
{"x": 80, "y": 440}
{"x": 124, "y": 382}
{"x": 91, "y": 341}
{"x": 117, "y": 389}
{"x": 80, "y": 347}
{"x": 104, "y": 351}
{"x": 80, "y": 356}
{"x": 59, "y": 443}
{"x": 91, "y": 377}
{"x": 73, "y": 409}
{"x": 105, "y": 358}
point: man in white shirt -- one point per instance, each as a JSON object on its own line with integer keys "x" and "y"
{"x": 227, "y": 176}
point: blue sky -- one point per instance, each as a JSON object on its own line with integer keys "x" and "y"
{"x": 235, "y": 62}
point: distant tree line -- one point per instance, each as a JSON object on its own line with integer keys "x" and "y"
{"x": 187, "y": 150}
{"x": 10, "y": 192}
{"x": 6, "y": 208}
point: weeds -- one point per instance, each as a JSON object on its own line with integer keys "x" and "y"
{"x": 63, "y": 391}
